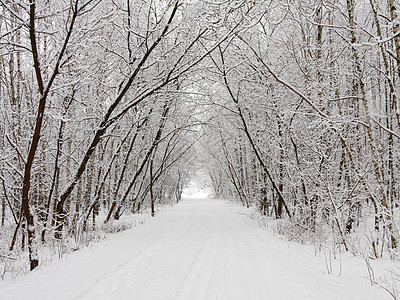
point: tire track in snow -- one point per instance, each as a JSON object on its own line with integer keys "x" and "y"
{"x": 123, "y": 275}
{"x": 196, "y": 282}
{"x": 226, "y": 281}
{"x": 221, "y": 276}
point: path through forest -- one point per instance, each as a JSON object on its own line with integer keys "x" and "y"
{"x": 199, "y": 249}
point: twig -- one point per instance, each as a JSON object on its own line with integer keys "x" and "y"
{"x": 16, "y": 149}
{"x": 7, "y": 257}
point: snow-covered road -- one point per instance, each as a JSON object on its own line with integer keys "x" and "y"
{"x": 200, "y": 249}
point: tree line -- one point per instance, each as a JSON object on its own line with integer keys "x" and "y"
{"x": 310, "y": 91}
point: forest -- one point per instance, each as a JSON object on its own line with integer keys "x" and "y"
{"x": 107, "y": 108}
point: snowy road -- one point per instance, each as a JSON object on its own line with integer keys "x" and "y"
{"x": 200, "y": 249}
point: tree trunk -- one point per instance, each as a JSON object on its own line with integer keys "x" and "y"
{"x": 370, "y": 139}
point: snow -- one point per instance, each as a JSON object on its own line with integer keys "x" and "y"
{"x": 193, "y": 190}
{"x": 199, "y": 187}
{"x": 202, "y": 248}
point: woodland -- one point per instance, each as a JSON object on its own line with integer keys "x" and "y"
{"x": 107, "y": 108}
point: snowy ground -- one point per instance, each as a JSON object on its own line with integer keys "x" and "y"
{"x": 200, "y": 249}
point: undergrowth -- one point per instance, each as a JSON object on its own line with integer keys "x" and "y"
{"x": 16, "y": 262}
{"x": 331, "y": 243}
